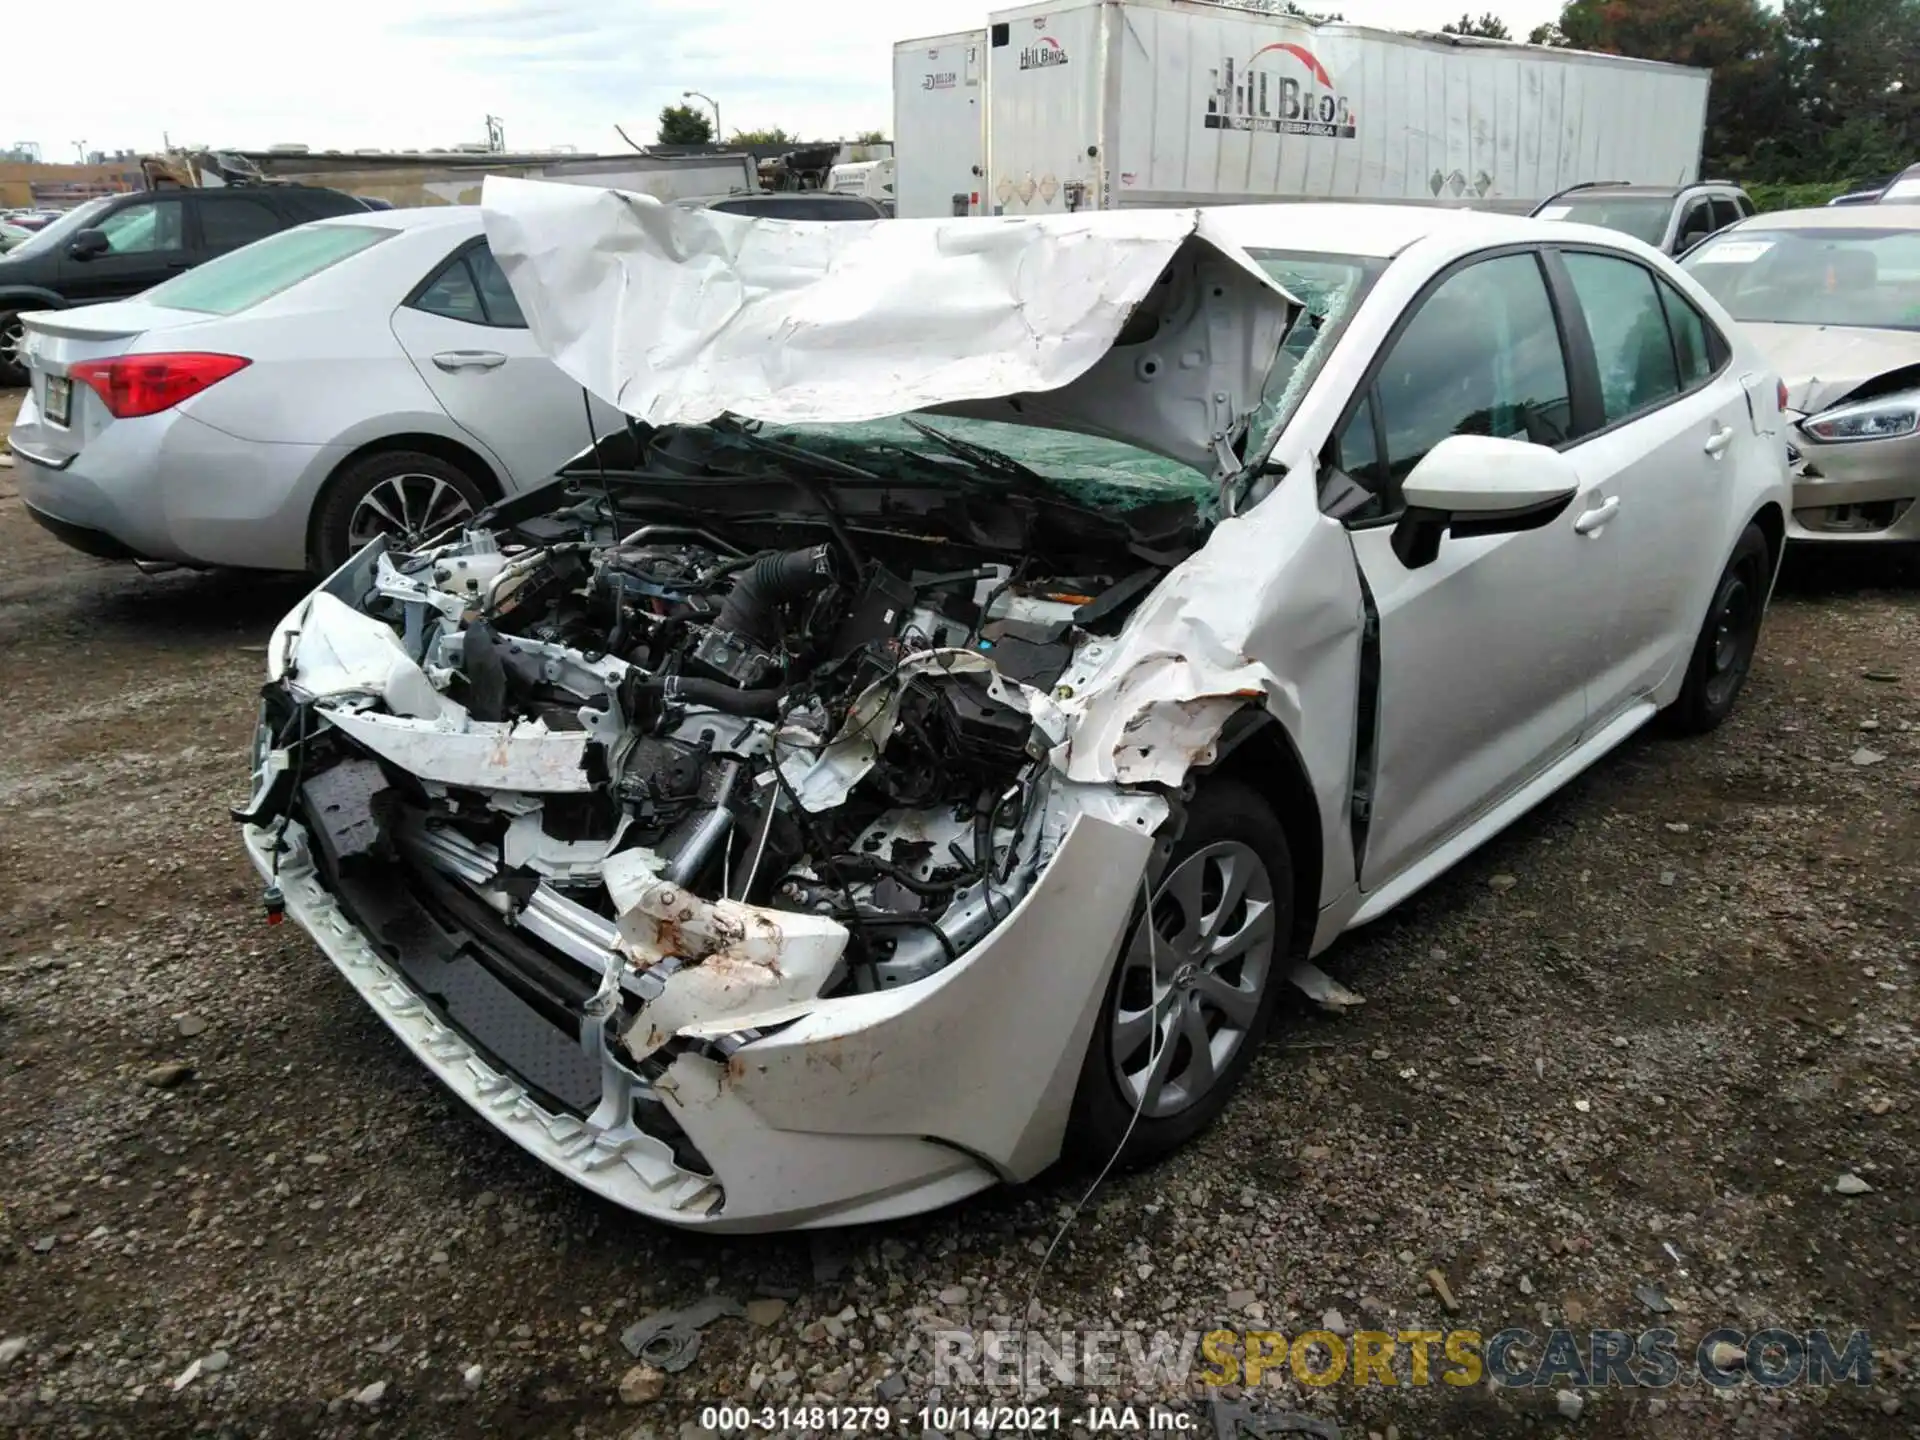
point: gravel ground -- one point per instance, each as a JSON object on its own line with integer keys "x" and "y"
{"x": 1616, "y": 1062}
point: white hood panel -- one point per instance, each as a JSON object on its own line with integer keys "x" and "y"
{"x": 678, "y": 316}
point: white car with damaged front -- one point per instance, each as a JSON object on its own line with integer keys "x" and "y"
{"x": 996, "y": 657}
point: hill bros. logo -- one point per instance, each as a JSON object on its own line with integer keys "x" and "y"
{"x": 1267, "y": 99}
{"x": 1042, "y": 54}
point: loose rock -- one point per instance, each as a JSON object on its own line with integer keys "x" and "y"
{"x": 1851, "y": 1184}
{"x": 642, "y": 1385}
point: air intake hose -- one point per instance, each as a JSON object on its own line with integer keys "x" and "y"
{"x": 768, "y": 583}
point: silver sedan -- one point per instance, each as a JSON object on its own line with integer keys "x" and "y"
{"x": 1832, "y": 300}
{"x": 281, "y": 406}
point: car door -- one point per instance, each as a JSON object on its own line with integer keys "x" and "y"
{"x": 1673, "y": 426}
{"x": 147, "y": 242}
{"x": 465, "y": 334}
{"x": 1483, "y": 653}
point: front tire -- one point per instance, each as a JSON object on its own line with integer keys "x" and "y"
{"x": 405, "y": 495}
{"x": 1723, "y": 652}
{"x": 1195, "y": 986}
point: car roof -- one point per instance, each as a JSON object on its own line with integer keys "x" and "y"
{"x": 1379, "y": 231}
{"x": 1844, "y": 217}
{"x": 421, "y": 217}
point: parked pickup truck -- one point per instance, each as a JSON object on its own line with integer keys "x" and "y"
{"x": 118, "y": 245}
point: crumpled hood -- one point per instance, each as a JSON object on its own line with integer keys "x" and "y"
{"x": 678, "y": 316}
{"x": 1823, "y": 364}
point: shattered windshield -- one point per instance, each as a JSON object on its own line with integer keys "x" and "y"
{"x": 1105, "y": 474}
{"x": 1331, "y": 287}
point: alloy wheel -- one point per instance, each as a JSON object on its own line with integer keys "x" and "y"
{"x": 407, "y": 509}
{"x": 1195, "y": 970}
{"x": 13, "y": 343}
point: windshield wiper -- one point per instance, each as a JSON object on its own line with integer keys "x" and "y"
{"x": 991, "y": 462}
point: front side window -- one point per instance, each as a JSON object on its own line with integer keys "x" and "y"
{"x": 1629, "y": 329}
{"x": 1695, "y": 224}
{"x": 145, "y": 228}
{"x": 1481, "y": 356}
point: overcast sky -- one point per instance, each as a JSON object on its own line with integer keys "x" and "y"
{"x": 400, "y": 74}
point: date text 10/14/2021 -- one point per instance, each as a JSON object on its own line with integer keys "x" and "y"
{"x": 949, "y": 1419}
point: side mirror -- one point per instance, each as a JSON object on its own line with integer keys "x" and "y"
{"x": 1471, "y": 485}
{"x": 86, "y": 244}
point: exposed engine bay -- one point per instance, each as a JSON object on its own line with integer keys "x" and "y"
{"x": 762, "y": 726}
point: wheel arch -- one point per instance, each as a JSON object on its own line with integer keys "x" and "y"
{"x": 1773, "y": 525}
{"x": 462, "y": 457}
{"x": 1256, "y": 750}
{"x": 30, "y": 297}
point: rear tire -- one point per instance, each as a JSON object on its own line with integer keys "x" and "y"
{"x": 405, "y": 494}
{"x": 1723, "y": 652}
{"x": 13, "y": 335}
{"x": 1222, "y": 928}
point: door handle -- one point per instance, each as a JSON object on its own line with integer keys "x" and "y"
{"x": 1718, "y": 440}
{"x": 452, "y": 360}
{"x": 1590, "y": 521}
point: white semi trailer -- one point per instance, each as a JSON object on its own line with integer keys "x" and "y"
{"x": 1095, "y": 104}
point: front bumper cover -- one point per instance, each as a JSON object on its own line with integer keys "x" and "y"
{"x": 859, "y": 1108}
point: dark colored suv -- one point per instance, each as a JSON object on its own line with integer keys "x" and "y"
{"x": 1670, "y": 218}
{"x": 118, "y": 245}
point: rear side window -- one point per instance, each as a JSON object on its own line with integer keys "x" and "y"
{"x": 1694, "y": 346}
{"x": 1629, "y": 329}
{"x": 1481, "y": 356}
{"x": 232, "y": 221}
{"x": 1725, "y": 212}
{"x": 244, "y": 278}
{"x": 472, "y": 288}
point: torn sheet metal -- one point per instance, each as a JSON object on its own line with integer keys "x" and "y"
{"x": 340, "y": 651}
{"x": 678, "y": 316}
{"x": 487, "y": 755}
{"x": 729, "y": 958}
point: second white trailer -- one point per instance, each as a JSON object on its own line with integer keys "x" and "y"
{"x": 1103, "y": 103}
{"x": 939, "y": 125}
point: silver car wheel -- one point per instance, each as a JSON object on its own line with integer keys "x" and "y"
{"x": 13, "y": 343}
{"x": 406, "y": 508}
{"x": 1192, "y": 978}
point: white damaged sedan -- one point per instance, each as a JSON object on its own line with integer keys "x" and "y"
{"x": 994, "y": 659}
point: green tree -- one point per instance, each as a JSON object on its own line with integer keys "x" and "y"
{"x": 1749, "y": 107}
{"x": 1312, "y": 17}
{"x": 871, "y": 137}
{"x": 1854, "y": 67}
{"x": 775, "y": 136}
{"x": 1547, "y": 34}
{"x": 684, "y": 125}
{"x": 1488, "y": 27}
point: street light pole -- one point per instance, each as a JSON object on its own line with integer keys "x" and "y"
{"x": 718, "y": 132}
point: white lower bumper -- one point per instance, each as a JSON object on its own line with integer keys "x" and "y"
{"x": 864, "y": 1107}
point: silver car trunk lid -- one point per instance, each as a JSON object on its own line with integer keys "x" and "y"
{"x": 58, "y": 340}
